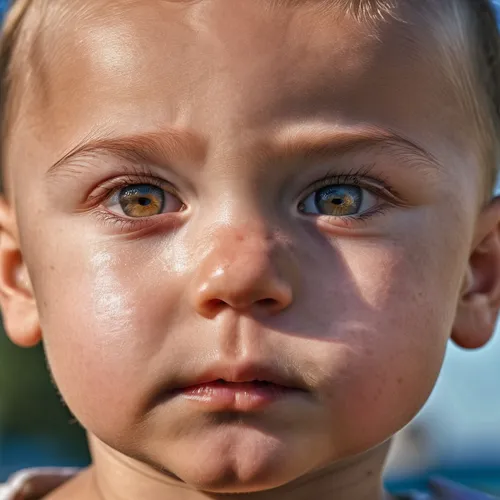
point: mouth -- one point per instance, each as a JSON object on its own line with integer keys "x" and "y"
{"x": 223, "y": 395}
{"x": 257, "y": 374}
{"x": 250, "y": 384}
{"x": 239, "y": 388}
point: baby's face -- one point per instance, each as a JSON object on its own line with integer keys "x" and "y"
{"x": 245, "y": 187}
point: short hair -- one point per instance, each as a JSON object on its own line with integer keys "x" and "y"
{"x": 474, "y": 20}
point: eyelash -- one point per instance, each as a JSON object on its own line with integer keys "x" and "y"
{"x": 144, "y": 175}
{"x": 140, "y": 175}
{"x": 360, "y": 177}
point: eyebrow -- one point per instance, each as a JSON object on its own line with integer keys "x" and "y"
{"x": 308, "y": 141}
{"x": 322, "y": 140}
{"x": 138, "y": 148}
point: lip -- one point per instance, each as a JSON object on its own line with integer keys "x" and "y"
{"x": 220, "y": 395}
{"x": 243, "y": 373}
{"x": 241, "y": 387}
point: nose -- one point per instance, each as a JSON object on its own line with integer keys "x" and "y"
{"x": 244, "y": 271}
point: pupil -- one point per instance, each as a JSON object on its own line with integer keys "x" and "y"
{"x": 141, "y": 200}
{"x": 339, "y": 200}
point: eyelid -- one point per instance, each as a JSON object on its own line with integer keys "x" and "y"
{"x": 109, "y": 188}
{"x": 123, "y": 223}
{"x": 376, "y": 186}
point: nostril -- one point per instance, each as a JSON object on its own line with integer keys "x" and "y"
{"x": 215, "y": 304}
{"x": 268, "y": 303}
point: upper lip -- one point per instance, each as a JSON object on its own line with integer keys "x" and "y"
{"x": 247, "y": 372}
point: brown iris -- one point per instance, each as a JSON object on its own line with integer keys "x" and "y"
{"x": 142, "y": 200}
{"x": 339, "y": 200}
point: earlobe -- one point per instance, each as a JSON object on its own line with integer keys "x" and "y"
{"x": 479, "y": 300}
{"x": 19, "y": 311}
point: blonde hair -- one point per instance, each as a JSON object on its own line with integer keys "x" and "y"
{"x": 477, "y": 22}
{"x": 8, "y": 41}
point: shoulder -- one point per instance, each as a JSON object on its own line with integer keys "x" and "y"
{"x": 35, "y": 483}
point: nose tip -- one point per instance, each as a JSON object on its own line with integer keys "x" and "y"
{"x": 246, "y": 283}
{"x": 240, "y": 296}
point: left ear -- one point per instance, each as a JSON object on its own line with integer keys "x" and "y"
{"x": 479, "y": 300}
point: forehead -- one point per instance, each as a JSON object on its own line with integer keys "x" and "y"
{"x": 222, "y": 67}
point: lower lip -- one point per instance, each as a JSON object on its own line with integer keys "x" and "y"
{"x": 247, "y": 396}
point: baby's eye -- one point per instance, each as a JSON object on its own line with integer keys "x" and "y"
{"x": 338, "y": 200}
{"x": 143, "y": 200}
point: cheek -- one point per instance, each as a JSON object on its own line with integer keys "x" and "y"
{"x": 387, "y": 332}
{"x": 104, "y": 322}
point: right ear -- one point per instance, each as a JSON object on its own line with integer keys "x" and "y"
{"x": 17, "y": 301}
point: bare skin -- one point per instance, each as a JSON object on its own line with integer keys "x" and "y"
{"x": 236, "y": 112}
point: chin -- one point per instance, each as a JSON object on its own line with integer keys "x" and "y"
{"x": 254, "y": 462}
{"x": 226, "y": 478}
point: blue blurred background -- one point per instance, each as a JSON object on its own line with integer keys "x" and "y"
{"x": 456, "y": 435}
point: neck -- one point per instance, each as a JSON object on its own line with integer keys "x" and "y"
{"x": 117, "y": 477}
